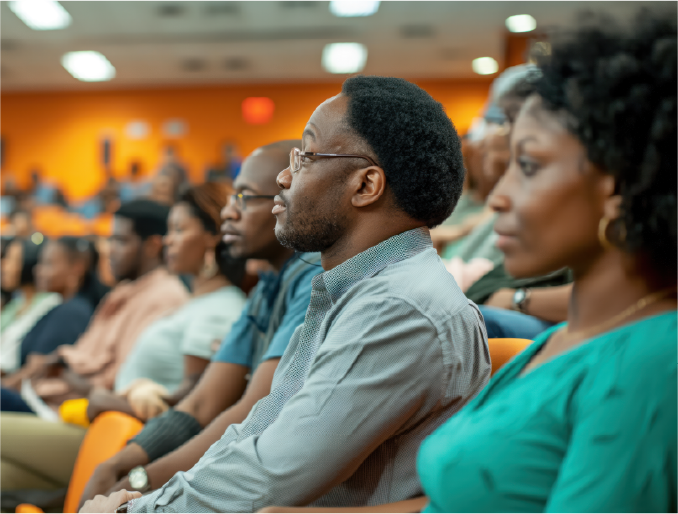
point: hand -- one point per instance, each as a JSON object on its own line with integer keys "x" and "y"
{"x": 146, "y": 399}
{"x": 502, "y": 299}
{"x": 101, "y": 481}
{"x": 121, "y": 485}
{"x": 109, "y": 503}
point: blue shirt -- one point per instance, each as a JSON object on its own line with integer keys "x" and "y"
{"x": 276, "y": 307}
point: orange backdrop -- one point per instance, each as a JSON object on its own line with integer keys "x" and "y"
{"x": 59, "y": 133}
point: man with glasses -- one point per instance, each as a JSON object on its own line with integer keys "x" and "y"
{"x": 252, "y": 348}
{"x": 389, "y": 348}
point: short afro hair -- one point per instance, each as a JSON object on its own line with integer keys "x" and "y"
{"x": 149, "y": 218}
{"x": 617, "y": 87}
{"x": 414, "y": 141}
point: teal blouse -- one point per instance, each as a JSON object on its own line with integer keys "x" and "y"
{"x": 592, "y": 430}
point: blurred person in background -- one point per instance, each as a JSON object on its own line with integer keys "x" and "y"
{"x": 241, "y": 372}
{"x": 164, "y": 188}
{"x": 67, "y": 267}
{"x": 136, "y": 186}
{"x": 28, "y": 305}
{"x": 171, "y": 354}
{"x": 518, "y": 307}
{"x": 6, "y": 295}
{"x": 21, "y": 224}
{"x": 145, "y": 293}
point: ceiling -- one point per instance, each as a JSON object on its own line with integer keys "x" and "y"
{"x": 197, "y": 42}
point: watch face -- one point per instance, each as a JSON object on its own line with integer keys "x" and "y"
{"x": 519, "y": 296}
{"x": 138, "y": 478}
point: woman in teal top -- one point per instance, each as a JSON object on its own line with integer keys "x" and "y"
{"x": 585, "y": 419}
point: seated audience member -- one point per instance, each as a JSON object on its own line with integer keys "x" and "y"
{"x": 471, "y": 210}
{"x": 67, "y": 267}
{"x": 390, "y": 347}
{"x": 146, "y": 293}
{"x": 253, "y": 347}
{"x": 519, "y": 307}
{"x": 21, "y": 223}
{"x": 136, "y": 186}
{"x": 181, "y": 344}
{"x": 6, "y": 293}
{"x": 588, "y": 413}
{"x": 27, "y": 307}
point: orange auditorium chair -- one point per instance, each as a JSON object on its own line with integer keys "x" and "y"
{"x": 503, "y": 350}
{"x": 107, "y": 435}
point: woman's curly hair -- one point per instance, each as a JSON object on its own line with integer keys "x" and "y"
{"x": 617, "y": 86}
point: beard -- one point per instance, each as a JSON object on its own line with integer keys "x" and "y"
{"x": 311, "y": 230}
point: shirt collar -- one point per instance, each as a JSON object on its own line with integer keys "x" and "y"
{"x": 370, "y": 262}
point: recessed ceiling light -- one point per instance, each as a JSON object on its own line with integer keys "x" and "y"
{"x": 344, "y": 57}
{"x": 485, "y": 66}
{"x": 88, "y": 66}
{"x": 521, "y": 23}
{"x": 345, "y": 8}
{"x": 41, "y": 14}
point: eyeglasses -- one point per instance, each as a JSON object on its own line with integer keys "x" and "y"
{"x": 296, "y": 155}
{"x": 240, "y": 200}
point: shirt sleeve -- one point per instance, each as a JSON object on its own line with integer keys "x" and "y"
{"x": 369, "y": 380}
{"x": 622, "y": 451}
{"x": 209, "y": 324}
{"x": 236, "y": 347}
{"x": 299, "y": 297}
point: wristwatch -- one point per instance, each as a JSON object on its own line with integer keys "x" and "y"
{"x": 520, "y": 299}
{"x": 138, "y": 479}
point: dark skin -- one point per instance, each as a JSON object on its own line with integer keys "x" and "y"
{"x": 350, "y": 194}
{"x": 186, "y": 243}
{"x": 550, "y": 203}
{"x": 222, "y": 396}
{"x": 131, "y": 258}
{"x": 56, "y": 272}
{"x": 350, "y": 190}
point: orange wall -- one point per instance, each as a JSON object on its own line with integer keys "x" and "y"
{"x": 59, "y": 132}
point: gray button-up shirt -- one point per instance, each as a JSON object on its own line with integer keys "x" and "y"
{"x": 390, "y": 348}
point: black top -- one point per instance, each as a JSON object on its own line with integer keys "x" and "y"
{"x": 63, "y": 325}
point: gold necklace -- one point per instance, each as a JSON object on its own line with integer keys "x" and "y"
{"x": 640, "y": 304}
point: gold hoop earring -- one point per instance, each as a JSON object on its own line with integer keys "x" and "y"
{"x": 602, "y": 233}
{"x": 209, "y": 268}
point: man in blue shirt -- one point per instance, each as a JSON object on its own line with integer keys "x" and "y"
{"x": 253, "y": 348}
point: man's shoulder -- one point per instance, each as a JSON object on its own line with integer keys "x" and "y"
{"x": 420, "y": 284}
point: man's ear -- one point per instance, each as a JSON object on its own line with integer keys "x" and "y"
{"x": 153, "y": 247}
{"x": 370, "y": 185}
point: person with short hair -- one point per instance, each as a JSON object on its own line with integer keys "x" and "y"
{"x": 145, "y": 293}
{"x": 243, "y": 366}
{"x": 390, "y": 347}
